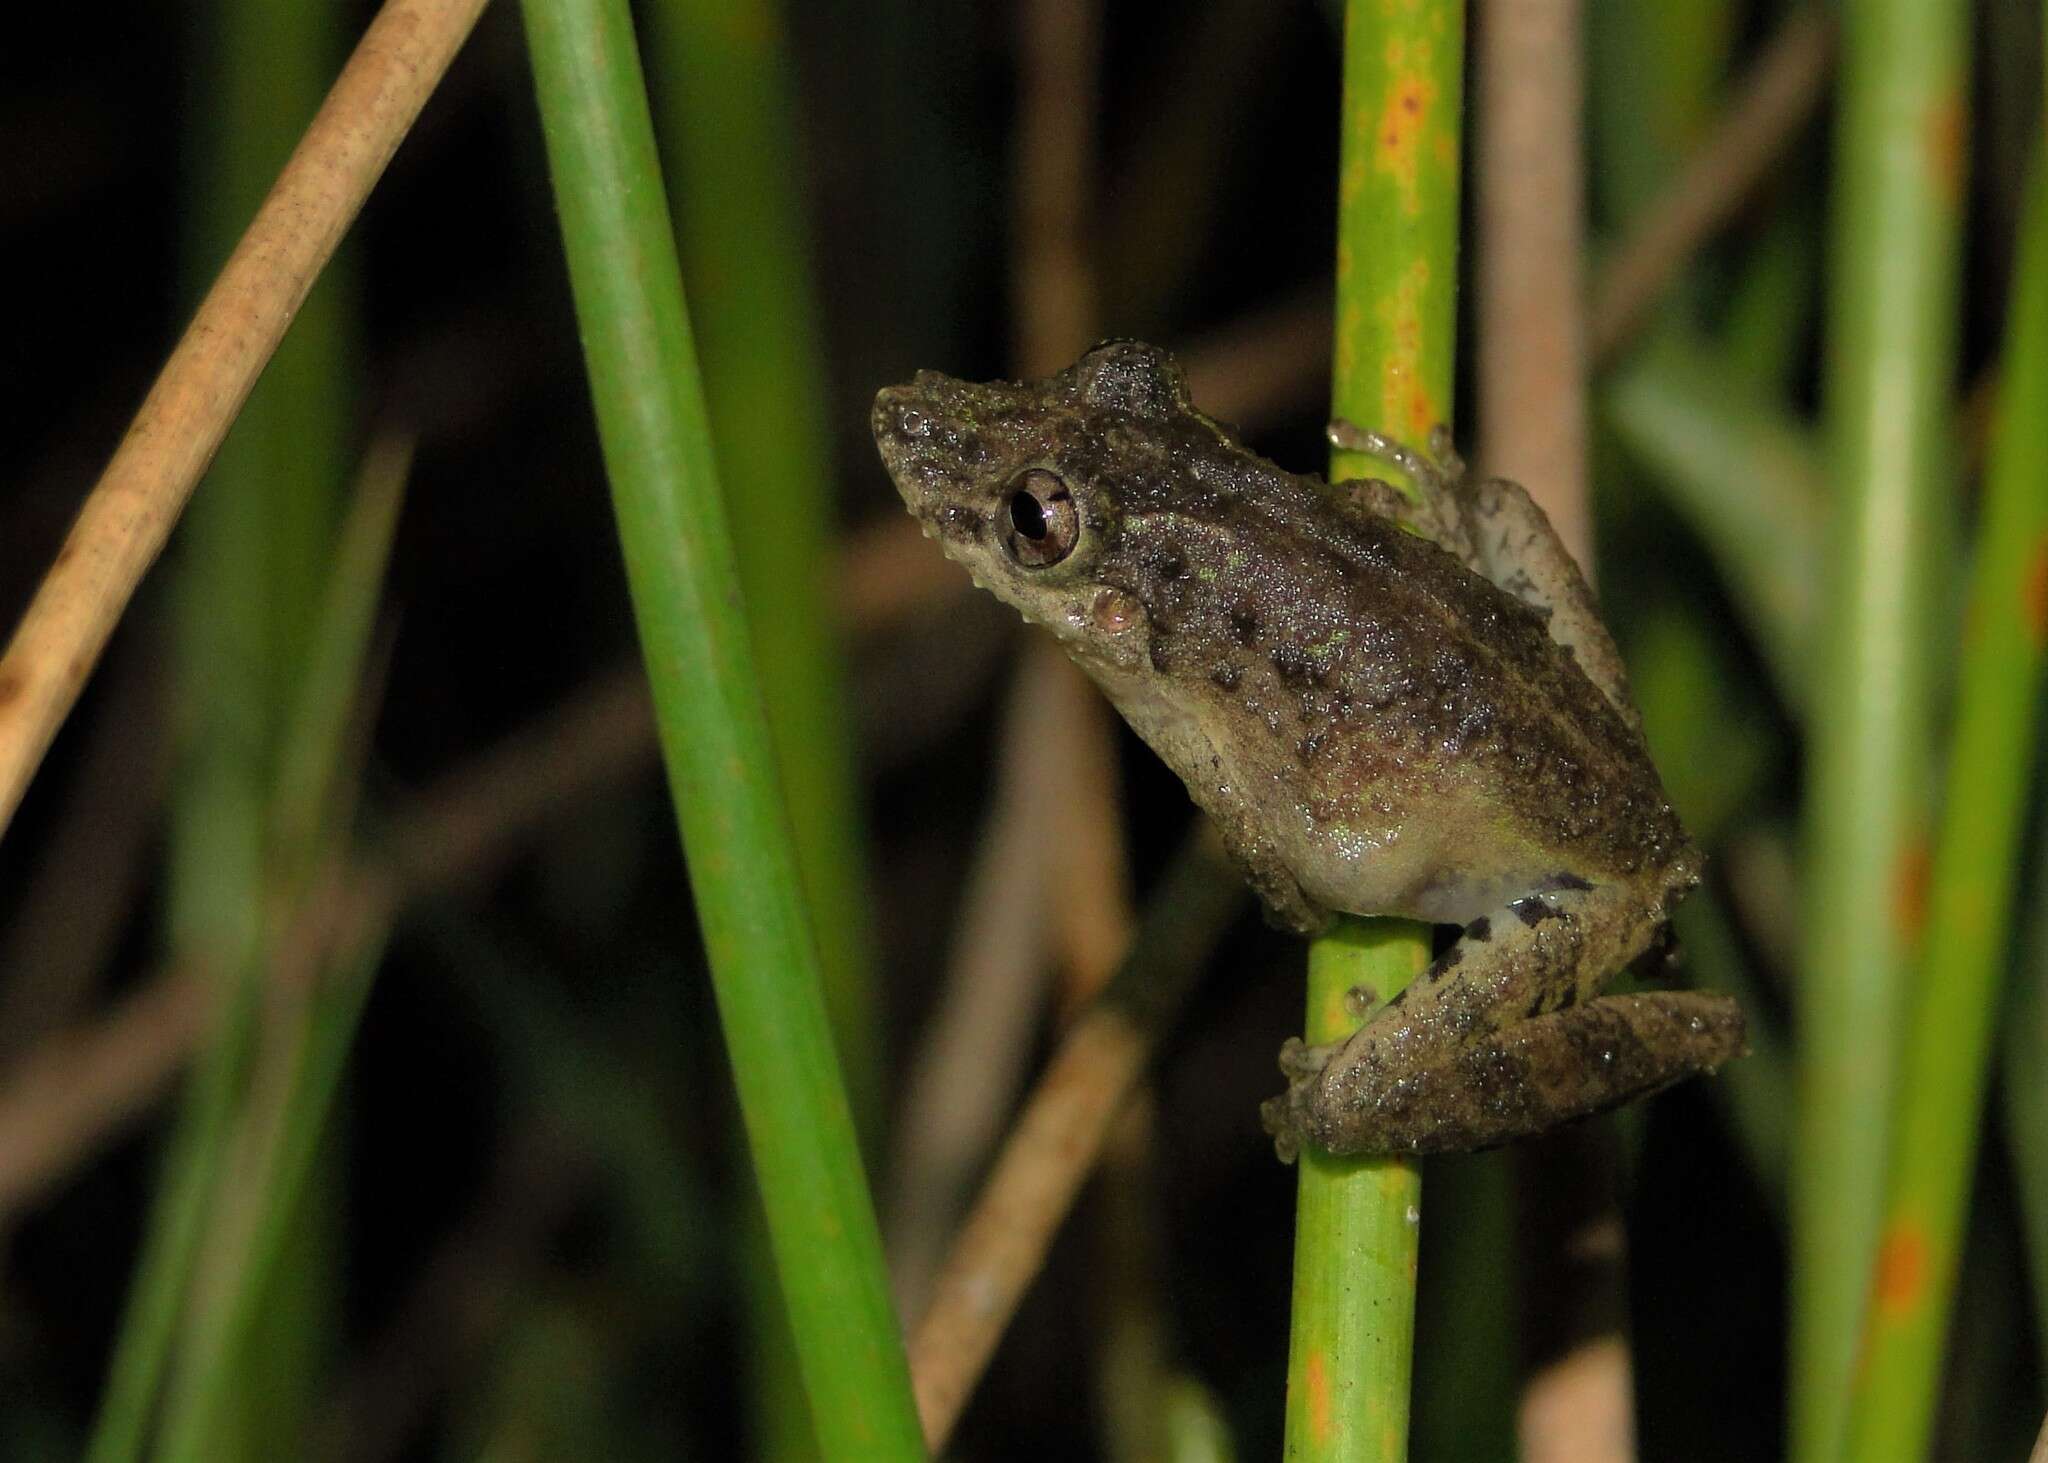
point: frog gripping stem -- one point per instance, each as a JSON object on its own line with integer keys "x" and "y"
{"x": 1498, "y": 1041}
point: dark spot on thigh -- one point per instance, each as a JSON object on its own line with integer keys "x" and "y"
{"x": 1557, "y": 882}
{"x": 1480, "y": 929}
{"x": 1533, "y": 912}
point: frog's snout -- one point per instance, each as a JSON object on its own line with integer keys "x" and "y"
{"x": 899, "y": 423}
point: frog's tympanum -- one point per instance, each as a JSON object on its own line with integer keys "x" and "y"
{"x": 1387, "y": 706}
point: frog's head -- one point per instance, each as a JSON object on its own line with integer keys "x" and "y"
{"x": 1030, "y": 484}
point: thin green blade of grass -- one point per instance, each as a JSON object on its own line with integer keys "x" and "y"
{"x": 1744, "y": 475}
{"x": 1764, "y": 330}
{"x": 304, "y": 1046}
{"x": 285, "y": 1118}
{"x": 1356, "y": 1232}
{"x": 177, "y": 1224}
{"x": 1890, "y": 362}
{"x": 659, "y": 456}
{"x": 246, "y": 562}
{"x": 1970, "y": 897}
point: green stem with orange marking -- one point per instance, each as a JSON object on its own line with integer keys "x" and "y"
{"x": 1891, "y": 359}
{"x": 1357, "y": 1221}
{"x": 1970, "y": 900}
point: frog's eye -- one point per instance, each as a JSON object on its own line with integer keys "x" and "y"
{"x": 1044, "y": 525}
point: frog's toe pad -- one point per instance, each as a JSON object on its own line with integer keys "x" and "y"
{"x": 1277, "y": 1115}
{"x": 1286, "y": 1117}
{"x": 1300, "y": 1062}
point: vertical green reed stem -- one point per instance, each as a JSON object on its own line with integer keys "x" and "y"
{"x": 727, "y": 105}
{"x": 1890, "y": 367}
{"x": 1976, "y": 861}
{"x": 1358, "y": 1220}
{"x": 726, "y": 109}
{"x": 722, "y": 777}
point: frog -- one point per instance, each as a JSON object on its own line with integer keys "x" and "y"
{"x": 1387, "y": 705}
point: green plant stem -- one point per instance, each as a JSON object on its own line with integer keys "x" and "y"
{"x": 722, "y": 778}
{"x": 1890, "y": 362}
{"x": 311, "y": 1008}
{"x": 1745, "y": 476}
{"x": 1976, "y": 862}
{"x": 1357, "y": 1220}
{"x": 726, "y": 109}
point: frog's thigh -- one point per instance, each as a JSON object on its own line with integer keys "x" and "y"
{"x": 1519, "y": 551}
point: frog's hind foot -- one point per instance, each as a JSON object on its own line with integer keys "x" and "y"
{"x": 1514, "y": 1083}
{"x": 1505, "y": 1034}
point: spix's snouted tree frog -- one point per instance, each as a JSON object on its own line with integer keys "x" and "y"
{"x": 1388, "y": 707}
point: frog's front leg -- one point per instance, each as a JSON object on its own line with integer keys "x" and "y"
{"x": 1502, "y": 1037}
{"x": 1434, "y": 511}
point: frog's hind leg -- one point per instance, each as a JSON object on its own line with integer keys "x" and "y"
{"x": 1502, "y": 1036}
{"x": 1519, "y": 551}
{"x": 1497, "y": 529}
{"x": 1530, "y": 1077}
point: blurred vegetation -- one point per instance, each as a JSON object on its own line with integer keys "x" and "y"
{"x": 457, "y": 1169}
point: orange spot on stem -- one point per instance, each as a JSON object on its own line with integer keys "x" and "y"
{"x": 1910, "y": 877}
{"x": 1315, "y": 1381}
{"x": 1398, "y": 138}
{"x": 2034, "y": 595}
{"x": 1901, "y": 1280}
{"x": 1942, "y": 133}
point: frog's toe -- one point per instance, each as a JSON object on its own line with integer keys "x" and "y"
{"x": 1277, "y": 1115}
{"x": 1445, "y": 451}
{"x": 1300, "y": 1062}
{"x": 1276, "y": 1119}
{"x": 1290, "y": 1117}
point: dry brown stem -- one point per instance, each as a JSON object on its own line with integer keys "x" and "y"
{"x": 1059, "y": 1135}
{"x": 1533, "y": 415}
{"x": 129, "y": 513}
{"x": 1532, "y": 360}
{"x": 1777, "y": 97}
{"x": 78, "y": 1088}
{"x": 1049, "y": 1152}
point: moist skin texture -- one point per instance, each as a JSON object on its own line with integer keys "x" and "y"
{"x": 1386, "y": 707}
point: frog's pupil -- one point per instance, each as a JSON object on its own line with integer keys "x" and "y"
{"x": 1027, "y": 515}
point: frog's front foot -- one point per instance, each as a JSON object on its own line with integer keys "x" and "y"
{"x": 1433, "y": 472}
{"x": 1288, "y": 1116}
